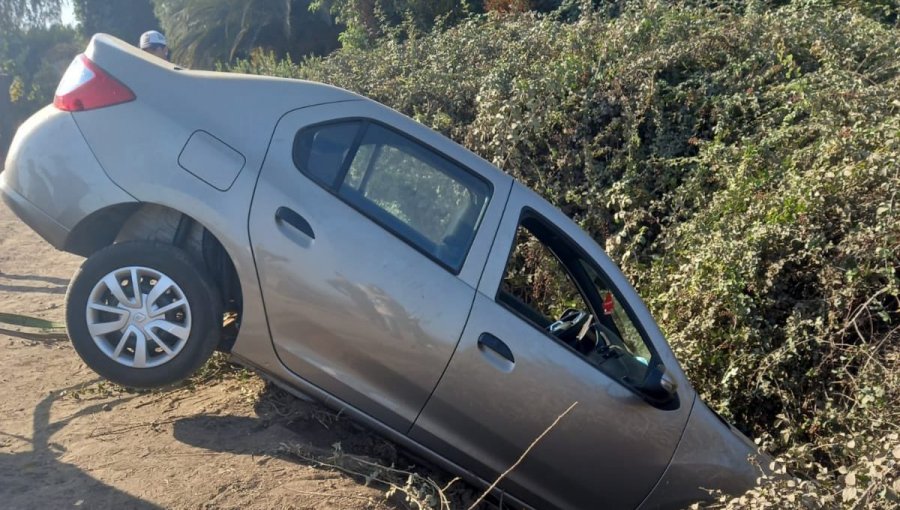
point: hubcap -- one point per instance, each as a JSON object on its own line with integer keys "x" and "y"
{"x": 139, "y": 317}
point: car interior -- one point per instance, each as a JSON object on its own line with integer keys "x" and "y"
{"x": 552, "y": 286}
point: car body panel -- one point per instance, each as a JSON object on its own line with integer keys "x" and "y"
{"x": 485, "y": 414}
{"x": 171, "y": 105}
{"x": 712, "y": 455}
{"x": 211, "y": 160}
{"x": 356, "y": 310}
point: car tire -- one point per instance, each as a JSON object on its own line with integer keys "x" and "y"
{"x": 147, "y": 339}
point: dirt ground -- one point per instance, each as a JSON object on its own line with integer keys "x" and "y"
{"x": 70, "y": 440}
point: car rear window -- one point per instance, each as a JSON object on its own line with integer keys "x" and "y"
{"x": 418, "y": 195}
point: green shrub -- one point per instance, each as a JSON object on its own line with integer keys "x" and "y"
{"x": 744, "y": 171}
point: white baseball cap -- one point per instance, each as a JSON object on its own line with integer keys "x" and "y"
{"x": 152, "y": 37}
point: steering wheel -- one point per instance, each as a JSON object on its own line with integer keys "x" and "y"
{"x": 614, "y": 346}
{"x": 572, "y": 326}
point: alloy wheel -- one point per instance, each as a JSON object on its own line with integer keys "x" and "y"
{"x": 138, "y": 317}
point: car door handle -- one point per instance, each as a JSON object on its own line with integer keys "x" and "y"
{"x": 489, "y": 341}
{"x": 292, "y": 218}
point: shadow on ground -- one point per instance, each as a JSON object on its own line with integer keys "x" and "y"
{"x": 26, "y": 477}
{"x": 308, "y": 434}
{"x": 57, "y": 285}
{"x": 303, "y": 433}
{"x": 282, "y": 419}
{"x": 36, "y": 278}
{"x": 45, "y": 338}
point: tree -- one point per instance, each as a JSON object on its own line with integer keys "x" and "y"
{"x": 203, "y": 32}
{"x": 366, "y": 20}
{"x": 33, "y": 53}
{"x": 125, "y": 19}
{"x": 22, "y": 14}
{"x": 31, "y": 64}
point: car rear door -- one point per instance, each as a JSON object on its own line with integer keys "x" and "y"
{"x": 369, "y": 243}
{"x": 510, "y": 379}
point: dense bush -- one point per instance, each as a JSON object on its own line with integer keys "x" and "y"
{"x": 742, "y": 168}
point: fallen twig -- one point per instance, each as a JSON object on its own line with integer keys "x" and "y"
{"x": 521, "y": 457}
{"x": 134, "y": 427}
{"x": 378, "y": 471}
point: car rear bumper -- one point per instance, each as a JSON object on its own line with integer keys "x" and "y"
{"x": 51, "y": 179}
{"x": 38, "y": 220}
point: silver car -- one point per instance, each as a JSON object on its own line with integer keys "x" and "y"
{"x": 351, "y": 254}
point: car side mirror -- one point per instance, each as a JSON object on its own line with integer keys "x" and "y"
{"x": 659, "y": 385}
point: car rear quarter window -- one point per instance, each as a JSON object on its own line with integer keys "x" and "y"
{"x": 320, "y": 152}
{"x": 413, "y": 192}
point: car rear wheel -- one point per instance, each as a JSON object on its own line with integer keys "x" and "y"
{"x": 142, "y": 314}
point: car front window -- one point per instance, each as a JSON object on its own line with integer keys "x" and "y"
{"x": 631, "y": 338}
{"x": 550, "y": 284}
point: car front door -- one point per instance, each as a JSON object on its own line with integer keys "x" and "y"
{"x": 369, "y": 244}
{"x": 518, "y": 369}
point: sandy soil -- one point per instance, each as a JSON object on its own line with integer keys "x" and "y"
{"x": 70, "y": 440}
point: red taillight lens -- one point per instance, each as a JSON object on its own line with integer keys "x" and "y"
{"x": 87, "y": 87}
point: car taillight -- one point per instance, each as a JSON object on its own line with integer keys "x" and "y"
{"x": 85, "y": 86}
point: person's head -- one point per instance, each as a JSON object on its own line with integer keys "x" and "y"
{"x": 155, "y": 43}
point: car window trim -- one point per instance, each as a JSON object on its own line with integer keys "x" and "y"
{"x": 367, "y": 176}
{"x": 334, "y": 188}
{"x": 351, "y": 152}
